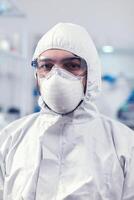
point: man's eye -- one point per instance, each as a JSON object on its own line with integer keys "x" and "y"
{"x": 46, "y": 66}
{"x": 72, "y": 66}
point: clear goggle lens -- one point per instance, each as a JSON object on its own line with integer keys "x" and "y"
{"x": 75, "y": 65}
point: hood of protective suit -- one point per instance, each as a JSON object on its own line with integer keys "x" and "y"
{"x": 75, "y": 39}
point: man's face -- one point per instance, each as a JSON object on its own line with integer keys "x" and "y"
{"x": 63, "y": 59}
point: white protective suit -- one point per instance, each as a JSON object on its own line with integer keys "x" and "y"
{"x": 79, "y": 156}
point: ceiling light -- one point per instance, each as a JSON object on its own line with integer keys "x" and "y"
{"x": 107, "y": 49}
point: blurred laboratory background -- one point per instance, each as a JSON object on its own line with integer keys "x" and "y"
{"x": 110, "y": 24}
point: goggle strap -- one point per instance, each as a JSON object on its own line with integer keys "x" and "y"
{"x": 34, "y": 63}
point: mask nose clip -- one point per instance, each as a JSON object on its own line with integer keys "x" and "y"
{"x": 55, "y": 69}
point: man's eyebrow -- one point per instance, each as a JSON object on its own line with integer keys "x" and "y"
{"x": 71, "y": 58}
{"x": 46, "y": 59}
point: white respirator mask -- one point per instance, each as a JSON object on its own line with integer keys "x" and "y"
{"x": 61, "y": 91}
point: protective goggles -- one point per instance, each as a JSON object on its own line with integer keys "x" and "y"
{"x": 75, "y": 65}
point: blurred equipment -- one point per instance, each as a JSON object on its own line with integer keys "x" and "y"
{"x": 3, "y": 121}
{"x": 8, "y": 8}
{"x": 36, "y": 107}
{"x": 15, "y": 83}
{"x": 126, "y": 112}
{"x": 12, "y": 114}
{"x": 115, "y": 91}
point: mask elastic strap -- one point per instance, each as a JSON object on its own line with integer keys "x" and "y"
{"x": 62, "y": 113}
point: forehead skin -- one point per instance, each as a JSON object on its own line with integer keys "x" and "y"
{"x": 56, "y": 54}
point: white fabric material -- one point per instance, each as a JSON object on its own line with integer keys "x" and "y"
{"x": 61, "y": 90}
{"x": 79, "y": 156}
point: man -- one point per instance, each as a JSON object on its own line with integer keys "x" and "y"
{"x": 68, "y": 150}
